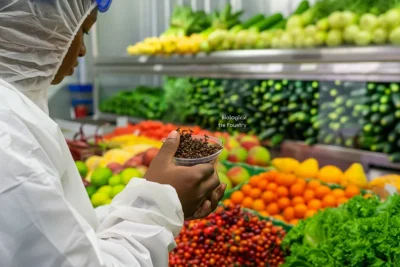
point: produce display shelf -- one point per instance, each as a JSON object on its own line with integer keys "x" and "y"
{"x": 381, "y": 63}
{"x": 375, "y": 164}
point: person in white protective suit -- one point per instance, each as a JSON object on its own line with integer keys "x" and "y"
{"x": 46, "y": 218}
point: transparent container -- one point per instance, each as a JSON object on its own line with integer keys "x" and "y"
{"x": 209, "y": 159}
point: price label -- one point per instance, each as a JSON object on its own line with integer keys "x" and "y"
{"x": 122, "y": 121}
{"x": 275, "y": 67}
{"x": 308, "y": 67}
{"x": 158, "y": 67}
{"x": 390, "y": 189}
{"x": 143, "y": 59}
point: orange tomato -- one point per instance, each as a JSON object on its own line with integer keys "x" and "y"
{"x": 329, "y": 201}
{"x": 227, "y": 202}
{"x": 322, "y": 191}
{"x": 279, "y": 218}
{"x": 297, "y": 190}
{"x": 315, "y": 204}
{"x": 288, "y": 179}
{"x": 258, "y": 205}
{"x": 282, "y": 191}
{"x": 283, "y": 203}
{"x": 264, "y": 213}
{"x": 268, "y": 197}
{"x": 272, "y": 209}
{"x": 297, "y": 201}
{"x": 237, "y": 197}
{"x": 271, "y": 176}
{"x": 272, "y": 187}
{"x": 288, "y": 214}
{"x": 255, "y": 193}
{"x": 262, "y": 185}
{"x": 342, "y": 200}
{"x": 338, "y": 193}
{"x": 310, "y": 213}
{"x": 301, "y": 181}
{"x": 294, "y": 222}
{"x": 246, "y": 189}
{"x": 300, "y": 211}
{"x": 352, "y": 191}
{"x": 313, "y": 184}
{"x": 368, "y": 195}
{"x": 308, "y": 195}
{"x": 247, "y": 202}
{"x": 254, "y": 181}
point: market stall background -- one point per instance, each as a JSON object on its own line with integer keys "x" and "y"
{"x": 305, "y": 101}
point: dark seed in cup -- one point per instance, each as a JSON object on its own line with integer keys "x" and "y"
{"x": 190, "y": 148}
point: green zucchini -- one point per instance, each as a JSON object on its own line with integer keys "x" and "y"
{"x": 267, "y": 22}
{"x": 253, "y": 21}
{"x": 302, "y": 7}
{"x": 281, "y": 25}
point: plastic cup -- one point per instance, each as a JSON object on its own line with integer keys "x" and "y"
{"x": 209, "y": 159}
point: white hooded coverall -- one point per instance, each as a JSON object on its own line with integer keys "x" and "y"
{"x": 46, "y": 218}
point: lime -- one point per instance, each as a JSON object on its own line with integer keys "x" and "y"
{"x": 108, "y": 201}
{"x": 101, "y": 176}
{"x": 106, "y": 189}
{"x": 129, "y": 174}
{"x": 115, "y": 180}
{"x": 99, "y": 199}
{"x": 91, "y": 190}
{"x": 116, "y": 190}
{"x": 224, "y": 179}
{"x": 82, "y": 168}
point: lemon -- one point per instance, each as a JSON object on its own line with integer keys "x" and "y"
{"x": 116, "y": 190}
{"x": 90, "y": 190}
{"x": 101, "y": 176}
{"x": 106, "y": 189}
{"x": 82, "y": 168}
{"x": 115, "y": 180}
{"x": 99, "y": 199}
{"x": 93, "y": 162}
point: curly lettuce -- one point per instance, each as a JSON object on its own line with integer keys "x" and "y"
{"x": 363, "y": 232}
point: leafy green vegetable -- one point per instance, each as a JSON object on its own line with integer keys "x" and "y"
{"x": 362, "y": 232}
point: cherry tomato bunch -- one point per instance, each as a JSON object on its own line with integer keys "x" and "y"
{"x": 229, "y": 237}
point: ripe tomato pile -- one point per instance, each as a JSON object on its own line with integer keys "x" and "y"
{"x": 287, "y": 197}
{"x": 229, "y": 237}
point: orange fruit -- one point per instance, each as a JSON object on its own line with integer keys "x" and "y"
{"x": 246, "y": 189}
{"x": 272, "y": 209}
{"x": 297, "y": 190}
{"x": 268, "y": 197}
{"x": 294, "y": 222}
{"x": 368, "y": 195}
{"x": 227, "y": 202}
{"x": 254, "y": 180}
{"x": 315, "y": 204}
{"x": 262, "y": 185}
{"x": 338, "y": 193}
{"x": 308, "y": 195}
{"x": 272, "y": 187}
{"x": 310, "y": 213}
{"x": 255, "y": 193}
{"x": 271, "y": 176}
{"x": 300, "y": 211}
{"x": 342, "y": 200}
{"x": 322, "y": 191}
{"x": 283, "y": 203}
{"x": 286, "y": 179}
{"x": 314, "y": 184}
{"x": 282, "y": 191}
{"x": 237, "y": 197}
{"x": 258, "y": 205}
{"x": 247, "y": 202}
{"x": 297, "y": 201}
{"x": 264, "y": 213}
{"x": 329, "y": 201}
{"x": 279, "y": 218}
{"x": 352, "y": 191}
{"x": 301, "y": 181}
{"x": 288, "y": 214}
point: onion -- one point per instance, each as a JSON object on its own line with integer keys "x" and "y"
{"x": 363, "y": 38}
{"x": 334, "y": 38}
{"x": 320, "y": 38}
{"x": 323, "y": 24}
{"x": 336, "y": 20}
{"x": 395, "y": 36}
{"x": 380, "y": 36}
{"x": 368, "y": 22}
{"x": 350, "y": 32}
{"x": 294, "y": 21}
{"x": 392, "y": 18}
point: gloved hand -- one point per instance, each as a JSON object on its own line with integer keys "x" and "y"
{"x": 198, "y": 187}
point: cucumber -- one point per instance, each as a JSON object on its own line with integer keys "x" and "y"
{"x": 267, "y": 22}
{"x": 278, "y": 98}
{"x": 375, "y": 118}
{"x": 387, "y": 120}
{"x": 371, "y": 87}
{"x": 359, "y": 92}
{"x": 394, "y": 87}
{"x": 329, "y": 139}
{"x": 368, "y": 128}
{"x": 396, "y": 100}
{"x": 384, "y": 99}
{"x": 253, "y": 21}
{"x": 281, "y": 25}
{"x": 375, "y": 98}
{"x": 377, "y": 129}
{"x": 311, "y": 141}
{"x": 349, "y": 142}
{"x": 392, "y": 137}
{"x": 384, "y": 108}
{"x": 375, "y": 107}
{"x": 302, "y": 7}
{"x": 378, "y": 147}
{"x": 309, "y": 132}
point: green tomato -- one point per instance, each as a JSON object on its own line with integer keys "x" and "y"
{"x": 350, "y": 32}
{"x": 275, "y": 43}
{"x": 336, "y": 20}
{"x": 309, "y": 42}
{"x": 323, "y": 24}
{"x": 286, "y": 41}
{"x": 334, "y": 38}
{"x": 349, "y": 18}
{"x": 320, "y": 38}
{"x": 363, "y": 38}
{"x": 395, "y": 36}
{"x": 294, "y": 22}
{"x": 310, "y": 30}
{"x": 368, "y": 22}
{"x": 392, "y": 18}
{"x": 380, "y": 36}
{"x": 295, "y": 32}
